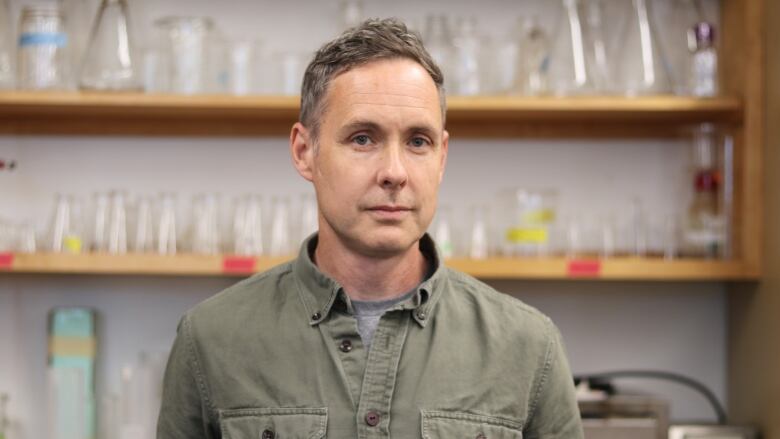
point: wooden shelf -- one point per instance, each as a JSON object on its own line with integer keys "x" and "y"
{"x": 30, "y": 113}
{"x": 494, "y": 268}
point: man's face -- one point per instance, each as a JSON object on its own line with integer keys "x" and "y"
{"x": 381, "y": 155}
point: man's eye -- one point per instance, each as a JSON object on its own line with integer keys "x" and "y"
{"x": 419, "y": 142}
{"x": 361, "y": 140}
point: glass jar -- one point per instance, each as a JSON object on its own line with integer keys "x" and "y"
{"x": 42, "y": 48}
{"x": 185, "y": 47}
{"x": 6, "y": 47}
{"x": 527, "y": 220}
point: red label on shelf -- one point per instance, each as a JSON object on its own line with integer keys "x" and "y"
{"x": 582, "y": 268}
{"x": 238, "y": 264}
{"x": 6, "y": 260}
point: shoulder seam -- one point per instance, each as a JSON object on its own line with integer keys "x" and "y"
{"x": 199, "y": 376}
{"x": 544, "y": 375}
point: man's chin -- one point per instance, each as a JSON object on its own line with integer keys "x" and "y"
{"x": 388, "y": 245}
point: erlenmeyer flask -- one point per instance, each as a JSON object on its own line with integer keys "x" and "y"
{"x": 109, "y": 62}
{"x": 571, "y": 71}
{"x": 6, "y": 47}
{"x": 643, "y": 69}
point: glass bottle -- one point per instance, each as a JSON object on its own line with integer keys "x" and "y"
{"x": 532, "y": 73}
{"x": 571, "y": 71}
{"x": 110, "y": 58}
{"x": 704, "y": 230}
{"x": 6, "y": 47}
{"x": 643, "y": 69}
{"x": 280, "y": 227}
{"x": 41, "y": 56}
{"x": 704, "y": 61}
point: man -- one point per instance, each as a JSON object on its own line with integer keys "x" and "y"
{"x": 366, "y": 334}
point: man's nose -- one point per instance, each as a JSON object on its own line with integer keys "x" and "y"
{"x": 392, "y": 171}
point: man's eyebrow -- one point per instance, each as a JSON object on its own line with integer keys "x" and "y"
{"x": 426, "y": 129}
{"x": 360, "y": 124}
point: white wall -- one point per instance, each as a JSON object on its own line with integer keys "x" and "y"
{"x": 678, "y": 327}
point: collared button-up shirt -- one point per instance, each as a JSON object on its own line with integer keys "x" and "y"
{"x": 278, "y": 356}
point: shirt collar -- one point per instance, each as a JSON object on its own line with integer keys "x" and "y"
{"x": 319, "y": 292}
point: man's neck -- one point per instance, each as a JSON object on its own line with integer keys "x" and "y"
{"x": 366, "y": 277}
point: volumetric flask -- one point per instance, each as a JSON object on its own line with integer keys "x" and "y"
{"x": 643, "y": 69}
{"x": 110, "y": 60}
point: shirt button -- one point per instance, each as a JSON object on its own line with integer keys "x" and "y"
{"x": 268, "y": 434}
{"x": 372, "y": 418}
{"x": 316, "y": 316}
{"x": 421, "y": 315}
{"x": 345, "y": 346}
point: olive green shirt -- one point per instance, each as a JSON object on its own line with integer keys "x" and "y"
{"x": 278, "y": 356}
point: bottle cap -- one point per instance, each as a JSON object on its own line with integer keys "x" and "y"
{"x": 701, "y": 35}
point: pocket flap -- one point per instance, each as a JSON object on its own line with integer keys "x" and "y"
{"x": 438, "y": 424}
{"x": 280, "y": 423}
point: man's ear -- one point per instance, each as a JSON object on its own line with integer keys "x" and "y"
{"x": 302, "y": 151}
{"x": 445, "y": 148}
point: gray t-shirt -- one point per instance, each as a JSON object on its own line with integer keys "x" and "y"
{"x": 368, "y": 313}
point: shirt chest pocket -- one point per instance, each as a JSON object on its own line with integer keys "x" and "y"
{"x": 274, "y": 423}
{"x": 437, "y": 424}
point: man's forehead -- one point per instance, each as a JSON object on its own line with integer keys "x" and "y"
{"x": 393, "y": 83}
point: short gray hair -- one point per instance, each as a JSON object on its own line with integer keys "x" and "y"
{"x": 372, "y": 40}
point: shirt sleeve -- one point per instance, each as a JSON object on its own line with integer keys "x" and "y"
{"x": 184, "y": 412}
{"x": 554, "y": 411}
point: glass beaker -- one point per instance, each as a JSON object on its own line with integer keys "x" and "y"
{"x": 185, "y": 44}
{"x": 110, "y": 59}
{"x": 6, "y": 47}
{"x": 166, "y": 225}
{"x": 280, "y": 227}
{"x": 527, "y": 219}
{"x": 117, "y": 224}
{"x": 442, "y": 232}
{"x": 643, "y": 68}
{"x": 143, "y": 237}
{"x": 571, "y": 70}
{"x": 41, "y": 56}
{"x": 479, "y": 245}
{"x": 65, "y": 232}
{"x": 248, "y": 226}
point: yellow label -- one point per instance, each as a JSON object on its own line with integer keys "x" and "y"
{"x": 523, "y": 235}
{"x": 539, "y": 216}
{"x": 72, "y": 346}
{"x": 72, "y": 244}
